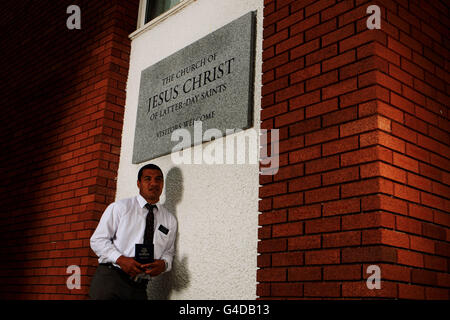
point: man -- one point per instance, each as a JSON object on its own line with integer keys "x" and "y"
{"x": 124, "y": 224}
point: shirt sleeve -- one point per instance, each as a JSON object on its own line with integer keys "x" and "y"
{"x": 170, "y": 251}
{"x": 101, "y": 240}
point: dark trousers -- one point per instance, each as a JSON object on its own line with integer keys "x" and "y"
{"x": 111, "y": 283}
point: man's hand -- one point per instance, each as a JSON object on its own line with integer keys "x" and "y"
{"x": 130, "y": 266}
{"x": 155, "y": 268}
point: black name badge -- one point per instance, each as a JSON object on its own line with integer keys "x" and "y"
{"x": 163, "y": 229}
{"x": 143, "y": 253}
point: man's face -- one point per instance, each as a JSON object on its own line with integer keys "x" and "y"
{"x": 151, "y": 185}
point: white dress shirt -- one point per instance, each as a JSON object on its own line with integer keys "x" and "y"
{"x": 122, "y": 225}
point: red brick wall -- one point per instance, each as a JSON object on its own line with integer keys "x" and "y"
{"x": 364, "y": 147}
{"x": 62, "y": 96}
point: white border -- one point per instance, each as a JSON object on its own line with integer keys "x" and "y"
{"x": 141, "y": 16}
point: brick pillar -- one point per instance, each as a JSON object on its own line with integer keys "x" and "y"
{"x": 363, "y": 176}
{"x": 63, "y": 107}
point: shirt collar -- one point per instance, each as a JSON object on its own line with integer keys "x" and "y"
{"x": 142, "y": 202}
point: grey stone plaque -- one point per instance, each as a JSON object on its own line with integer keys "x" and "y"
{"x": 210, "y": 80}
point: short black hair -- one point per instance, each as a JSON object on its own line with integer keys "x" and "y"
{"x": 149, "y": 166}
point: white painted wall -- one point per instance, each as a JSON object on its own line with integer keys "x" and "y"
{"x": 216, "y": 205}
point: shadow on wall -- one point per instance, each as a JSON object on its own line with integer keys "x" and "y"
{"x": 161, "y": 288}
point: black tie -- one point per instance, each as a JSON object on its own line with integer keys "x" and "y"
{"x": 148, "y": 234}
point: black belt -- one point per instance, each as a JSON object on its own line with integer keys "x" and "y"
{"x": 139, "y": 282}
